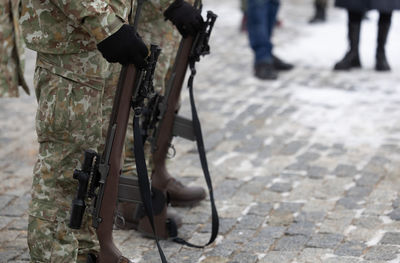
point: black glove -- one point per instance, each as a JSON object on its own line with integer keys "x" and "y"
{"x": 124, "y": 46}
{"x": 185, "y": 17}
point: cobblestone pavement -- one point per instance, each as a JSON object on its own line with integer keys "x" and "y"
{"x": 305, "y": 169}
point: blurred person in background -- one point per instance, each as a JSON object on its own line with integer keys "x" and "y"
{"x": 261, "y": 19}
{"x": 356, "y": 10}
{"x": 320, "y": 11}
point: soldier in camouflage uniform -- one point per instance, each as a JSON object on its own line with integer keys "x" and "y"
{"x": 11, "y": 50}
{"x": 70, "y": 86}
{"x": 74, "y": 98}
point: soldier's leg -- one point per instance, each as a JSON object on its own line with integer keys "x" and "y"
{"x": 165, "y": 34}
{"x": 8, "y": 55}
{"x": 68, "y": 121}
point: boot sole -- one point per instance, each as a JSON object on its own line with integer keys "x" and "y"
{"x": 189, "y": 203}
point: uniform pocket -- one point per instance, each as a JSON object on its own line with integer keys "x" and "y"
{"x": 68, "y": 111}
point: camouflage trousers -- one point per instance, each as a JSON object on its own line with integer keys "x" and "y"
{"x": 8, "y": 55}
{"x": 71, "y": 118}
{"x": 75, "y": 94}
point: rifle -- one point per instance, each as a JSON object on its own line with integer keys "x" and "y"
{"x": 102, "y": 173}
{"x": 165, "y": 123}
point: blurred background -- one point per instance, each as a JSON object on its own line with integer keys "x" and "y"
{"x": 305, "y": 167}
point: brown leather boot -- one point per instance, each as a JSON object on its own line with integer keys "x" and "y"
{"x": 181, "y": 195}
{"x": 178, "y": 194}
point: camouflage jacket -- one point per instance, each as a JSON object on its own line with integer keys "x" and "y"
{"x": 74, "y": 26}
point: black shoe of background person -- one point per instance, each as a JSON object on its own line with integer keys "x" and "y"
{"x": 320, "y": 15}
{"x": 265, "y": 71}
{"x": 279, "y": 64}
{"x": 381, "y": 62}
{"x": 317, "y": 19}
{"x": 350, "y": 60}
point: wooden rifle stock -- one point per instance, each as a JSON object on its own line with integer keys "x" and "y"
{"x": 110, "y": 167}
{"x": 170, "y": 107}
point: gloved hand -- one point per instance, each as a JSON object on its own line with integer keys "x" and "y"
{"x": 124, "y": 46}
{"x": 185, "y": 17}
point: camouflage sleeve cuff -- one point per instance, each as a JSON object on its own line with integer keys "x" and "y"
{"x": 102, "y": 26}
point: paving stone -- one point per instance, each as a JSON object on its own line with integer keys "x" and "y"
{"x": 185, "y": 256}
{"x": 292, "y": 147}
{"x": 225, "y": 226}
{"x": 278, "y": 257}
{"x": 359, "y": 191}
{"x": 261, "y": 209}
{"x": 385, "y": 253}
{"x": 319, "y": 147}
{"x": 315, "y": 255}
{"x": 16, "y": 208}
{"x": 369, "y": 222}
{"x": 240, "y": 235}
{"x": 308, "y": 157}
{"x": 291, "y": 243}
{"x": 271, "y": 232}
{"x": 19, "y": 224}
{"x": 259, "y": 244}
{"x": 325, "y": 240}
{"x": 224, "y": 249}
{"x": 251, "y": 222}
{"x": 349, "y": 202}
{"x": 391, "y": 238}
{"x": 24, "y": 257}
{"x": 226, "y": 190}
{"x": 344, "y": 170}
{"x": 342, "y": 260}
{"x": 316, "y": 172}
{"x": 298, "y": 166}
{"x": 395, "y": 214}
{"x": 350, "y": 248}
{"x": 310, "y": 216}
{"x": 280, "y": 218}
{"x": 289, "y": 206}
{"x": 244, "y": 257}
{"x": 396, "y": 203}
{"x": 215, "y": 259}
{"x": 368, "y": 179}
{"x": 9, "y": 255}
{"x": 5, "y": 220}
{"x": 4, "y": 200}
{"x": 301, "y": 228}
{"x": 281, "y": 187}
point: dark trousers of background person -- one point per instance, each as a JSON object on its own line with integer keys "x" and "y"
{"x": 352, "y": 57}
{"x": 260, "y": 24}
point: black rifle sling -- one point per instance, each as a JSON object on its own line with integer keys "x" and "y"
{"x": 143, "y": 178}
{"x": 204, "y": 165}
